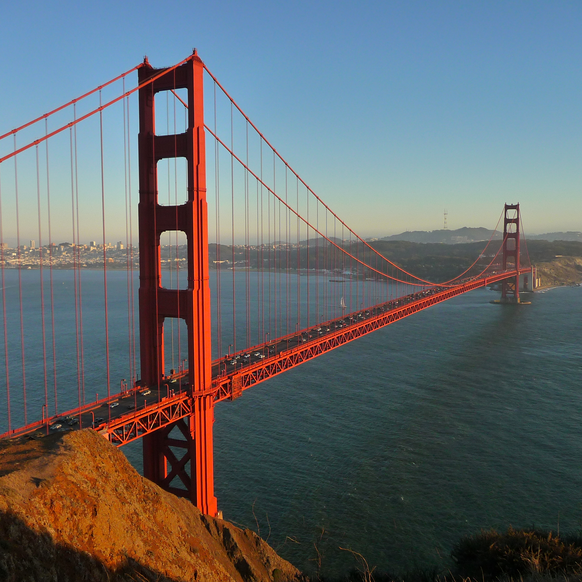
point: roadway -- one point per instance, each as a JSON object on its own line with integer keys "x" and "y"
{"x": 142, "y": 409}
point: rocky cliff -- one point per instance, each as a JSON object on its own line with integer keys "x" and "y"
{"x": 560, "y": 271}
{"x": 72, "y": 508}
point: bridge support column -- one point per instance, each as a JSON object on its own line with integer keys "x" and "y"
{"x": 180, "y": 462}
{"x": 510, "y": 287}
{"x": 194, "y": 469}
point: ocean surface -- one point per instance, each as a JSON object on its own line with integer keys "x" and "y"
{"x": 460, "y": 418}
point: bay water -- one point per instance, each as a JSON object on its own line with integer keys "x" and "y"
{"x": 463, "y": 417}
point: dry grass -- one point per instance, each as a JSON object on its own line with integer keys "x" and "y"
{"x": 512, "y": 556}
{"x": 519, "y": 554}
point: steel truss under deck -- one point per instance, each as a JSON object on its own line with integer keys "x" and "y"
{"x": 230, "y": 386}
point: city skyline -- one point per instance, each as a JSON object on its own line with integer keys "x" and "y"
{"x": 391, "y": 113}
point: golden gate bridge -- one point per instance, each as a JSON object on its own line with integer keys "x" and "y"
{"x": 257, "y": 275}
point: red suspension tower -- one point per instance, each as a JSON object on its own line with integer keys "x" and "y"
{"x": 161, "y": 464}
{"x": 510, "y": 287}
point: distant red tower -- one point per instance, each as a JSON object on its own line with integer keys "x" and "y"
{"x": 192, "y": 304}
{"x": 510, "y": 287}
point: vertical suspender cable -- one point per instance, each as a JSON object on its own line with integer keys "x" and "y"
{"x": 522, "y": 235}
{"x": 131, "y": 255}
{"x": 307, "y": 255}
{"x": 80, "y": 279}
{"x": 286, "y": 268}
{"x": 299, "y": 322}
{"x": 278, "y": 240}
{"x": 50, "y": 247}
{"x": 247, "y": 243}
{"x": 177, "y": 219}
{"x": 170, "y": 268}
{"x": 128, "y": 266}
{"x": 4, "y": 323}
{"x": 43, "y": 326}
{"x": 275, "y": 240}
{"x": 178, "y": 271}
{"x": 176, "y": 235}
{"x": 318, "y": 314}
{"x": 157, "y": 303}
{"x": 261, "y": 262}
{"x": 232, "y": 229}
{"x": 326, "y": 284}
{"x": 269, "y": 263}
{"x": 337, "y": 270}
{"x": 347, "y": 268}
{"x": 217, "y": 234}
{"x": 327, "y": 267}
{"x": 75, "y": 284}
{"x": 287, "y": 251}
{"x": 104, "y": 254}
{"x": 20, "y": 285}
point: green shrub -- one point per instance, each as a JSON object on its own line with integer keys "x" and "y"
{"x": 517, "y": 553}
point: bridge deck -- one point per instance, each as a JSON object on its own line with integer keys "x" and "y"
{"x": 131, "y": 414}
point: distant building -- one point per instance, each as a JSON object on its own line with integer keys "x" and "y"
{"x": 120, "y": 246}
{"x": 32, "y": 244}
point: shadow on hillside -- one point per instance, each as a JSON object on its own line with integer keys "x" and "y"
{"x": 29, "y": 555}
{"x": 17, "y": 451}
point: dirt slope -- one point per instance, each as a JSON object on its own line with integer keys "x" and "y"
{"x": 73, "y": 508}
{"x": 560, "y": 271}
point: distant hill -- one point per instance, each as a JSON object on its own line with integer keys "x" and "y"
{"x": 552, "y": 236}
{"x": 468, "y": 235}
{"x": 318, "y": 240}
{"x": 449, "y": 237}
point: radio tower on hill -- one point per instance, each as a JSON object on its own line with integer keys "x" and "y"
{"x": 445, "y": 220}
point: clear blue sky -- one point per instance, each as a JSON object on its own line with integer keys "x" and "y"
{"x": 391, "y": 111}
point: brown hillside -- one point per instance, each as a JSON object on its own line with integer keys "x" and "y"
{"x": 560, "y": 271}
{"x": 73, "y": 508}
